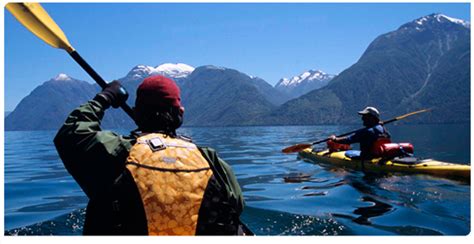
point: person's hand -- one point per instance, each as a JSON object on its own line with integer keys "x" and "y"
{"x": 114, "y": 94}
{"x": 332, "y": 137}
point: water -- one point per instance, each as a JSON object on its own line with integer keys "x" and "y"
{"x": 284, "y": 195}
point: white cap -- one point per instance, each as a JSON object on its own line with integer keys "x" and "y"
{"x": 370, "y": 110}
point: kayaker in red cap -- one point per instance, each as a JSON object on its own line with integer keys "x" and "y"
{"x": 152, "y": 182}
{"x": 374, "y": 134}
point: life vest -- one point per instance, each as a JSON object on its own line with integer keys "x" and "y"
{"x": 171, "y": 175}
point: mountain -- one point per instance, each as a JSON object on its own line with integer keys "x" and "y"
{"x": 212, "y": 96}
{"x": 46, "y": 106}
{"x": 220, "y": 96}
{"x": 269, "y": 92}
{"x": 424, "y": 63}
{"x": 448, "y": 89}
{"x": 303, "y": 83}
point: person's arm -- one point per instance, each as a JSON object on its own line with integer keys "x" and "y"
{"x": 93, "y": 157}
{"x": 354, "y": 138}
{"x": 224, "y": 173}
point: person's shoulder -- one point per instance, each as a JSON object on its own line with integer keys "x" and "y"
{"x": 372, "y": 130}
{"x": 208, "y": 152}
{"x": 379, "y": 127}
{"x": 212, "y": 155}
{"x": 185, "y": 138}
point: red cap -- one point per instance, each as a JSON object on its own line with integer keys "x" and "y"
{"x": 158, "y": 91}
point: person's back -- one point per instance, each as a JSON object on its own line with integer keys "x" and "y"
{"x": 153, "y": 181}
{"x": 368, "y": 139}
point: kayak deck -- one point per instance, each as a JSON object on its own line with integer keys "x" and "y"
{"x": 426, "y": 166}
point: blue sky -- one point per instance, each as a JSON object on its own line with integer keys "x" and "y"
{"x": 270, "y": 41}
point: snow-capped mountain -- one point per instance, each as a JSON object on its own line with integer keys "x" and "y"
{"x": 178, "y": 70}
{"x": 303, "y": 83}
{"x": 175, "y": 71}
{"x": 431, "y": 20}
{"x": 423, "y": 64}
{"x": 62, "y": 77}
{"x": 308, "y": 76}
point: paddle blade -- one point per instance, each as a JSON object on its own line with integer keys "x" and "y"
{"x": 37, "y": 20}
{"x": 296, "y": 148}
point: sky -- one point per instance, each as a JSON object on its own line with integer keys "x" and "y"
{"x": 267, "y": 40}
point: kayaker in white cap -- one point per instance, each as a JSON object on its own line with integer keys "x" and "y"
{"x": 374, "y": 134}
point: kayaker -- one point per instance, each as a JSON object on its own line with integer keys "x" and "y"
{"x": 374, "y": 134}
{"x": 152, "y": 182}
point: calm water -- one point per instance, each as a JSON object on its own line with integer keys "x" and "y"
{"x": 42, "y": 199}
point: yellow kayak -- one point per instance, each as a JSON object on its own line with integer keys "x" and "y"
{"x": 425, "y": 166}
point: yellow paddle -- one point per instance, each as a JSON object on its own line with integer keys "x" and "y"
{"x": 301, "y": 147}
{"x": 37, "y": 20}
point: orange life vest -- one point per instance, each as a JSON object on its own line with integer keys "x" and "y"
{"x": 171, "y": 175}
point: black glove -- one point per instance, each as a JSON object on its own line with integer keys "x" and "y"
{"x": 113, "y": 95}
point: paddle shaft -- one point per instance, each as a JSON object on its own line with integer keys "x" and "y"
{"x": 354, "y": 131}
{"x": 101, "y": 82}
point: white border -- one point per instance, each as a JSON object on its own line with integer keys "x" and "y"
{"x": 227, "y": 240}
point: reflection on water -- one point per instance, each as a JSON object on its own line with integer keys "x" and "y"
{"x": 378, "y": 209}
{"x": 284, "y": 195}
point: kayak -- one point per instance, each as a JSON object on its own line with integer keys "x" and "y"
{"x": 400, "y": 165}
